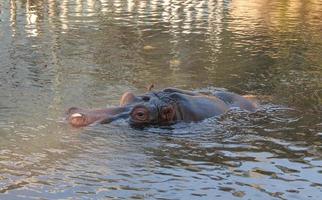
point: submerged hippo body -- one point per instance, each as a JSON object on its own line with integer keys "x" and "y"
{"x": 163, "y": 107}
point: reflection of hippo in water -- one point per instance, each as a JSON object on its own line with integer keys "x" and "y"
{"x": 164, "y": 107}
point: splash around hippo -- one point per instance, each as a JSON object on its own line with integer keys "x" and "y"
{"x": 164, "y": 107}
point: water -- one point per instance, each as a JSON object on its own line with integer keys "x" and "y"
{"x": 57, "y": 54}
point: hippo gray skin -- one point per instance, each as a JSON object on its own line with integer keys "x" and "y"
{"x": 164, "y": 107}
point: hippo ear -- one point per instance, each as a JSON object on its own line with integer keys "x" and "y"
{"x": 128, "y": 98}
{"x": 150, "y": 87}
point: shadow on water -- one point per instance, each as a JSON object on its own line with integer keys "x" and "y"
{"x": 57, "y": 54}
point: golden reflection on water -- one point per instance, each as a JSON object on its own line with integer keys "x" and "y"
{"x": 194, "y": 10}
{"x": 31, "y": 17}
{"x": 13, "y": 16}
{"x": 183, "y": 18}
{"x": 217, "y": 32}
{"x": 64, "y": 15}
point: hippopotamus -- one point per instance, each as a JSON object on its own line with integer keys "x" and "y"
{"x": 163, "y": 107}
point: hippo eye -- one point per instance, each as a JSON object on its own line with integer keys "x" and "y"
{"x": 140, "y": 114}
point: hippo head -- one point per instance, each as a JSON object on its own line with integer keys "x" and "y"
{"x": 149, "y": 109}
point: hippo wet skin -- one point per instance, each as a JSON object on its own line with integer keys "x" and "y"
{"x": 164, "y": 107}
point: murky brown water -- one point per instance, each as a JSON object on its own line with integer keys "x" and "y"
{"x": 56, "y": 54}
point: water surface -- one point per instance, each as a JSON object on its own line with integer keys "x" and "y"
{"x": 57, "y": 54}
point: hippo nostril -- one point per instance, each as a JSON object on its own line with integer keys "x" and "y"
{"x": 167, "y": 114}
